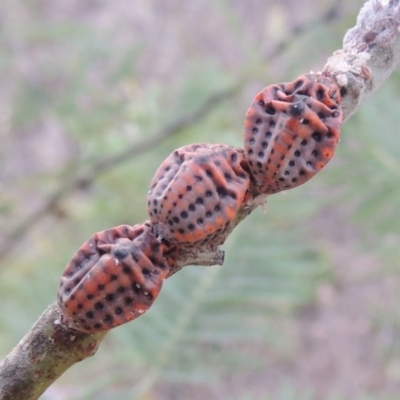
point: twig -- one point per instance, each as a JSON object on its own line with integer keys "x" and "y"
{"x": 44, "y": 354}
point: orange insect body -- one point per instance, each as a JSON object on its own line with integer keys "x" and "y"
{"x": 112, "y": 279}
{"x": 291, "y": 131}
{"x": 196, "y": 193}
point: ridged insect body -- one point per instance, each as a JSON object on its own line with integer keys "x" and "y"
{"x": 196, "y": 193}
{"x": 112, "y": 279}
{"x": 291, "y": 131}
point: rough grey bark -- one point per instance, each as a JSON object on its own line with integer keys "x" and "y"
{"x": 370, "y": 53}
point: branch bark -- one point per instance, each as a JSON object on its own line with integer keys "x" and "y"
{"x": 371, "y": 51}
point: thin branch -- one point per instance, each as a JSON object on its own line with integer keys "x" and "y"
{"x": 43, "y": 355}
{"x": 370, "y": 53}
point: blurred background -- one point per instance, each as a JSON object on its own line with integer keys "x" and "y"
{"x": 94, "y": 95}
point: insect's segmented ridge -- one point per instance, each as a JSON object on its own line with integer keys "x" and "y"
{"x": 291, "y": 131}
{"x": 114, "y": 278}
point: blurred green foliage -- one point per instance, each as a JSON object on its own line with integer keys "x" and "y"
{"x": 76, "y": 69}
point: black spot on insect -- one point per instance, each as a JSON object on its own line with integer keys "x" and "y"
{"x": 136, "y": 287}
{"x": 100, "y": 286}
{"x": 320, "y": 94}
{"x": 228, "y": 176}
{"x": 108, "y": 319}
{"x": 184, "y": 214}
{"x": 297, "y": 153}
{"x": 188, "y": 188}
{"x": 90, "y": 296}
{"x": 291, "y": 163}
{"x": 191, "y": 227}
{"x": 255, "y": 130}
{"x": 221, "y": 191}
{"x": 199, "y": 200}
{"x": 99, "y": 306}
{"x": 270, "y": 110}
{"x": 304, "y": 142}
{"x": 118, "y": 311}
{"x": 97, "y": 325}
{"x": 126, "y": 270}
{"x": 329, "y": 135}
{"x": 90, "y": 314}
{"x": 109, "y": 297}
{"x": 317, "y": 136}
{"x": 192, "y": 207}
{"x": 302, "y": 172}
{"x": 258, "y": 121}
{"x": 297, "y": 109}
{"x": 294, "y": 180}
{"x": 128, "y": 301}
{"x": 335, "y": 114}
{"x": 121, "y": 253}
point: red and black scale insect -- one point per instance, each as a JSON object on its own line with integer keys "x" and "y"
{"x": 196, "y": 193}
{"x": 292, "y": 130}
{"x": 113, "y": 278}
